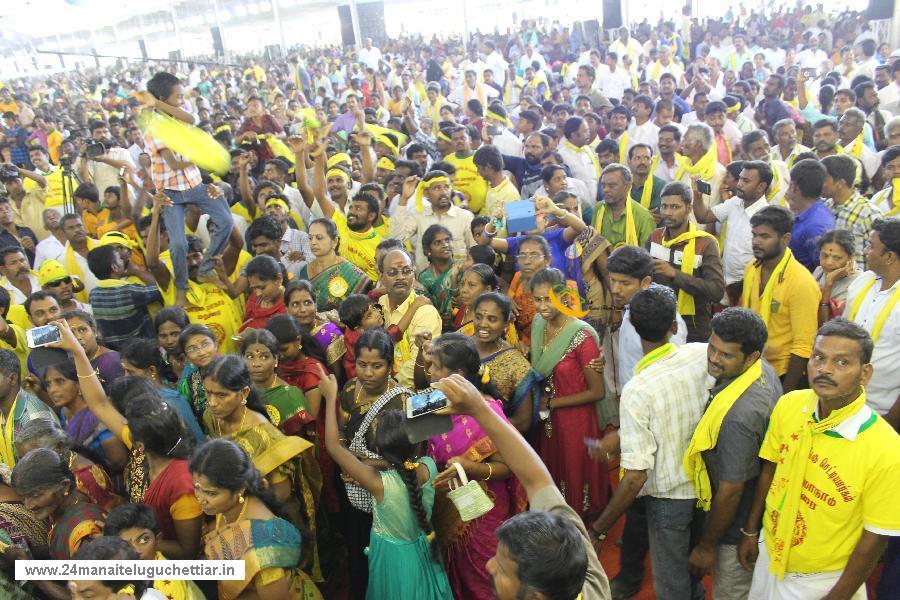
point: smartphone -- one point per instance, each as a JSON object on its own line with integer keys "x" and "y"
{"x": 493, "y": 130}
{"x": 425, "y": 403}
{"x": 122, "y": 172}
{"x": 41, "y": 336}
{"x": 809, "y": 73}
{"x": 704, "y": 187}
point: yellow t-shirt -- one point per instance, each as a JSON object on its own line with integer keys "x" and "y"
{"x": 849, "y": 485}
{"x": 358, "y": 248}
{"x": 53, "y": 195}
{"x": 791, "y": 330}
{"x": 468, "y": 182}
{"x": 21, "y": 348}
{"x": 503, "y": 193}
{"x": 241, "y": 301}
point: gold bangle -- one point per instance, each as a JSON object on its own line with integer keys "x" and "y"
{"x": 490, "y": 471}
{"x": 95, "y": 372}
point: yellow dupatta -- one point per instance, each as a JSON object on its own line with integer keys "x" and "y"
{"x": 883, "y": 314}
{"x": 704, "y": 168}
{"x": 585, "y": 150}
{"x": 789, "y": 479}
{"x": 895, "y": 197}
{"x": 74, "y": 268}
{"x": 436, "y": 112}
{"x": 706, "y": 434}
{"x": 685, "y": 300}
{"x": 623, "y": 148}
{"x": 751, "y": 285}
{"x": 856, "y": 147}
{"x": 631, "y": 236}
{"x": 775, "y": 187}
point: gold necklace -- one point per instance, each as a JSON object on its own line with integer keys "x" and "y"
{"x": 549, "y": 339}
{"x": 239, "y": 517}
{"x": 220, "y": 424}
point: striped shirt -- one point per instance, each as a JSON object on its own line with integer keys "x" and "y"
{"x": 165, "y": 177}
{"x": 659, "y": 411}
{"x": 856, "y": 215}
{"x": 121, "y": 310}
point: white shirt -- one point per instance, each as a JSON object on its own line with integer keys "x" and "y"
{"x": 48, "y": 248}
{"x": 648, "y": 133}
{"x": 370, "y": 57}
{"x": 498, "y": 66}
{"x": 15, "y": 294}
{"x": 614, "y": 83}
{"x": 884, "y": 387}
{"x": 525, "y": 61}
{"x": 105, "y": 175}
{"x": 580, "y": 164}
{"x": 632, "y": 48}
{"x": 808, "y": 59}
{"x": 630, "y": 351}
{"x": 135, "y": 151}
{"x": 889, "y": 98}
{"x": 738, "y": 250}
{"x": 659, "y": 410}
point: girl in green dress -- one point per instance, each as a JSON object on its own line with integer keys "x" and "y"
{"x": 404, "y": 562}
{"x": 441, "y": 277}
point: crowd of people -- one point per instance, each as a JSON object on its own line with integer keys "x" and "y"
{"x": 654, "y": 277}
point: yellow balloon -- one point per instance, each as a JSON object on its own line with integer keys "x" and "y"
{"x": 191, "y": 142}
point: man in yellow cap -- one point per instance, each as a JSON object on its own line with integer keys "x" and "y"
{"x": 132, "y": 257}
{"x": 54, "y": 277}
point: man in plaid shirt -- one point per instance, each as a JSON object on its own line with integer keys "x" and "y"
{"x": 851, "y": 210}
{"x": 181, "y": 182}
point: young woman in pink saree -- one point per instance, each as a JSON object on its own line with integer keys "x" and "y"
{"x": 469, "y": 544}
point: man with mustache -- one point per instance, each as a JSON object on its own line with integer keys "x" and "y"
{"x": 826, "y": 494}
{"x": 410, "y": 222}
{"x": 18, "y": 278}
{"x": 726, "y": 443}
{"x": 783, "y": 292}
{"x": 687, "y": 260}
{"x": 397, "y": 276}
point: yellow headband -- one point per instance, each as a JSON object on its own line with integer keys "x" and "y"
{"x": 387, "y": 142}
{"x": 340, "y": 157}
{"x": 424, "y": 185}
{"x": 222, "y": 128}
{"x": 443, "y": 136}
{"x": 278, "y": 202}
{"x": 385, "y": 163}
{"x": 733, "y": 109}
{"x": 492, "y": 115}
{"x": 337, "y": 173}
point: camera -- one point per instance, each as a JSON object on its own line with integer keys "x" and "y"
{"x": 66, "y": 161}
{"x": 93, "y": 149}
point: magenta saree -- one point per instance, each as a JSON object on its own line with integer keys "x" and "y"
{"x": 474, "y": 543}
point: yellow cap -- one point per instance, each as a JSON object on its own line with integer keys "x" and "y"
{"x": 51, "y": 270}
{"x": 116, "y": 237}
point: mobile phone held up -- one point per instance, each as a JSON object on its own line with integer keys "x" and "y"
{"x": 425, "y": 403}
{"x": 704, "y": 187}
{"x": 39, "y": 337}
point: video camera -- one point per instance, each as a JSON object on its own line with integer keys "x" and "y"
{"x": 93, "y": 149}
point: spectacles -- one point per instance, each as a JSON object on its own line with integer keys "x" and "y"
{"x": 405, "y": 271}
{"x": 59, "y": 282}
{"x": 529, "y": 256}
{"x": 204, "y": 345}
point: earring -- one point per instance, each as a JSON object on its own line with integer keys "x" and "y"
{"x": 240, "y": 499}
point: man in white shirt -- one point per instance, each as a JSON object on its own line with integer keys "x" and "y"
{"x": 869, "y": 297}
{"x": 889, "y": 95}
{"x": 370, "y": 56}
{"x": 529, "y": 57}
{"x": 54, "y": 245}
{"x": 616, "y": 80}
{"x": 575, "y": 152}
{"x": 495, "y": 62}
{"x": 642, "y": 129}
{"x": 625, "y": 44}
{"x": 103, "y": 170}
{"x": 473, "y": 62}
{"x": 138, "y": 144}
{"x": 812, "y": 57}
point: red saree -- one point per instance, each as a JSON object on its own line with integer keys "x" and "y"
{"x": 173, "y": 483}
{"x": 256, "y": 317}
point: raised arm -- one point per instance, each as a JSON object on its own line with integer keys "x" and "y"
{"x": 368, "y": 477}
{"x": 298, "y": 146}
{"x": 319, "y": 186}
{"x": 159, "y": 270}
{"x": 519, "y": 456}
{"x": 151, "y": 101}
{"x": 701, "y": 211}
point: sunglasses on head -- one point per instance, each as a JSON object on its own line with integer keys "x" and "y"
{"x": 59, "y": 282}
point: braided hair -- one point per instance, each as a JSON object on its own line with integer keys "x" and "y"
{"x": 394, "y": 446}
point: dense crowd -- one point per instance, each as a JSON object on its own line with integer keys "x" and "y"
{"x": 654, "y": 278}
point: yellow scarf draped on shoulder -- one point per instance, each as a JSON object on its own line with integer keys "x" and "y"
{"x": 704, "y": 168}
{"x": 584, "y": 150}
{"x": 751, "y": 285}
{"x": 792, "y": 473}
{"x": 631, "y": 236}
{"x": 686, "y": 301}
{"x": 706, "y": 434}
